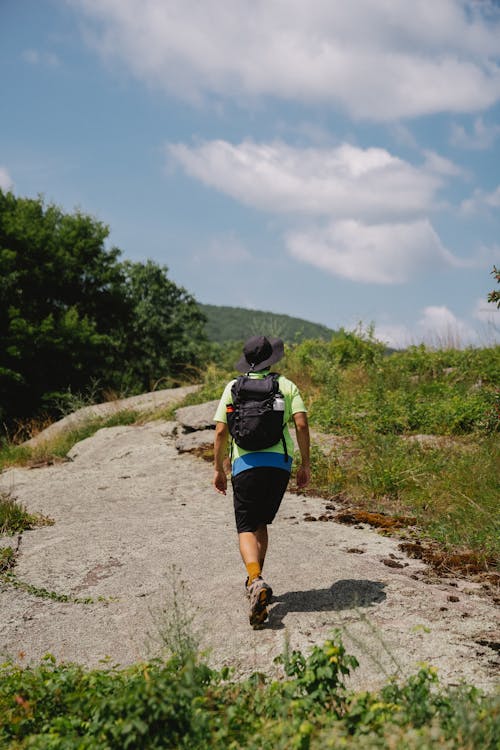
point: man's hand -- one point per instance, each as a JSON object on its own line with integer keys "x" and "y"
{"x": 220, "y": 481}
{"x": 303, "y": 476}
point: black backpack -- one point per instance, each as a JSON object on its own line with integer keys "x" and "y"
{"x": 256, "y": 417}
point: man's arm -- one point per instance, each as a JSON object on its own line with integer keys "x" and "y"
{"x": 302, "y": 431}
{"x": 220, "y": 452}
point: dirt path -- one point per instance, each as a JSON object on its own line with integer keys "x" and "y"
{"x": 129, "y": 506}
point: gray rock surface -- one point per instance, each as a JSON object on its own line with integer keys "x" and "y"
{"x": 190, "y": 441}
{"x": 143, "y": 403}
{"x": 134, "y": 519}
{"x": 200, "y": 417}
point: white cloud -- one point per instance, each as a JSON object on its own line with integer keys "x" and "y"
{"x": 440, "y": 326}
{"x": 379, "y": 60}
{"x": 372, "y": 205}
{"x": 394, "y": 334}
{"x": 6, "y": 182}
{"x": 481, "y": 200}
{"x": 434, "y": 163}
{"x": 345, "y": 181}
{"x": 482, "y": 136}
{"x": 487, "y": 312}
{"x": 380, "y": 254}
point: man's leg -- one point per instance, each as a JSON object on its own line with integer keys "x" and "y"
{"x": 253, "y": 546}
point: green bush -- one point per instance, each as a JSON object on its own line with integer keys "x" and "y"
{"x": 352, "y": 383}
{"x": 182, "y": 703}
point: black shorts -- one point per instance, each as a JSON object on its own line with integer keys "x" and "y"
{"x": 257, "y": 496}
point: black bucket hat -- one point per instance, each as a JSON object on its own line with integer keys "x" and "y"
{"x": 259, "y": 353}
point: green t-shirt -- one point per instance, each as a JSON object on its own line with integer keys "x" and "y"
{"x": 293, "y": 405}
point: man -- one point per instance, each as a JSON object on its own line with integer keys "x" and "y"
{"x": 260, "y": 477}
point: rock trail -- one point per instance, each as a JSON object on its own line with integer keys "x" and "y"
{"x": 135, "y": 514}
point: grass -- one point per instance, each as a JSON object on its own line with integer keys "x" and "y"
{"x": 451, "y": 490}
{"x": 14, "y": 518}
{"x": 58, "y": 446}
{"x": 182, "y": 703}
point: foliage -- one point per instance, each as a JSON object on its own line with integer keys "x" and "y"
{"x": 451, "y": 488}
{"x": 14, "y": 518}
{"x": 7, "y": 558}
{"x": 229, "y": 324}
{"x": 494, "y": 296}
{"x": 165, "y": 340}
{"x": 61, "y": 301}
{"x": 182, "y": 703}
{"x": 72, "y": 314}
{"x": 352, "y": 383}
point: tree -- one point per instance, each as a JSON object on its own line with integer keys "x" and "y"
{"x": 494, "y": 296}
{"x": 61, "y": 303}
{"x": 71, "y": 313}
{"x": 166, "y": 337}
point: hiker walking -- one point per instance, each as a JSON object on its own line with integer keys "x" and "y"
{"x": 252, "y": 417}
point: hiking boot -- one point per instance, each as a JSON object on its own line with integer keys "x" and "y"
{"x": 246, "y": 589}
{"x": 259, "y": 594}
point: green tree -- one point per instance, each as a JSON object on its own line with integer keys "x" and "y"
{"x": 61, "y": 303}
{"x": 165, "y": 338}
{"x": 494, "y": 296}
{"x": 71, "y": 313}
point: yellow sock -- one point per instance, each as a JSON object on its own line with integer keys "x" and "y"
{"x": 253, "y": 570}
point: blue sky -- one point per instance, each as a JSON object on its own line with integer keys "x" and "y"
{"x": 337, "y": 161}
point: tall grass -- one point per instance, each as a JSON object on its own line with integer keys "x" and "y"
{"x": 452, "y": 490}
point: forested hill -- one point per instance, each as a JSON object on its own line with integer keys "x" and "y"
{"x": 226, "y": 324}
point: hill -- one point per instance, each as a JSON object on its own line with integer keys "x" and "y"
{"x": 225, "y": 324}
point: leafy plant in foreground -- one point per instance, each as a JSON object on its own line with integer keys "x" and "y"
{"x": 182, "y": 703}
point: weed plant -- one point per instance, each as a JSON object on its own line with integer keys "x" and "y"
{"x": 182, "y": 703}
{"x": 14, "y": 518}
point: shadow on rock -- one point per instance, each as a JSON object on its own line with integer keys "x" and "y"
{"x": 345, "y": 594}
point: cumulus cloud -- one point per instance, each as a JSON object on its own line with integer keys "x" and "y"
{"x": 371, "y": 205}
{"x": 481, "y": 200}
{"x": 483, "y": 135}
{"x": 439, "y": 326}
{"x": 487, "y": 312}
{"x": 437, "y": 164}
{"x": 6, "y": 182}
{"x": 345, "y": 181}
{"x": 381, "y": 61}
{"x": 396, "y": 335}
{"x": 377, "y": 253}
